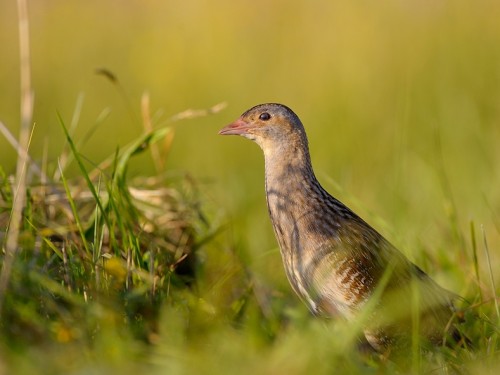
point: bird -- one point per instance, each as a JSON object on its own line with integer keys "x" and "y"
{"x": 338, "y": 264}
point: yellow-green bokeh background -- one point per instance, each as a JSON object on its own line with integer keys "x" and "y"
{"x": 396, "y": 96}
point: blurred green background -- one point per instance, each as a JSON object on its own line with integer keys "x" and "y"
{"x": 377, "y": 84}
{"x": 400, "y": 99}
{"x": 391, "y": 93}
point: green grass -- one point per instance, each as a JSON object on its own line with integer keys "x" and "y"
{"x": 114, "y": 273}
{"x": 96, "y": 254}
{"x": 158, "y": 257}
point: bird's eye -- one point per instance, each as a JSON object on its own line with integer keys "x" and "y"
{"x": 264, "y": 116}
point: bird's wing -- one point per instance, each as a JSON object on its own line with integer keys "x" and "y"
{"x": 360, "y": 271}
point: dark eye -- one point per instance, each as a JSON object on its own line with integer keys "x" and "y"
{"x": 264, "y": 116}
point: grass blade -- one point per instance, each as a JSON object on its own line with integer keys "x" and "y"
{"x": 475, "y": 259}
{"x": 72, "y": 204}
{"x": 25, "y": 133}
{"x": 490, "y": 269}
{"x": 84, "y": 171}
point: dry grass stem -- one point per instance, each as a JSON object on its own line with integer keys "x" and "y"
{"x": 11, "y": 244}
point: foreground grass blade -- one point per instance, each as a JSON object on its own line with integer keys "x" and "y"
{"x": 76, "y": 216}
{"x": 83, "y": 170}
{"x": 138, "y": 146}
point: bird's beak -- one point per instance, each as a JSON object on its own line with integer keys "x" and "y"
{"x": 239, "y": 127}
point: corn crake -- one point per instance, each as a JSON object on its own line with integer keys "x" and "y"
{"x": 337, "y": 263}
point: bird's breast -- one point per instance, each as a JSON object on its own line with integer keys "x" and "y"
{"x": 316, "y": 265}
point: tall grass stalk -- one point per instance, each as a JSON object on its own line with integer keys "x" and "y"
{"x": 11, "y": 245}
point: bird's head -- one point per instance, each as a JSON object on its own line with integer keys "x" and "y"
{"x": 269, "y": 125}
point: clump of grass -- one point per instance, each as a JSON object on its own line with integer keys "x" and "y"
{"x": 90, "y": 258}
{"x": 99, "y": 239}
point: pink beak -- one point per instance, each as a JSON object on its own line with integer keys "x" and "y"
{"x": 238, "y": 127}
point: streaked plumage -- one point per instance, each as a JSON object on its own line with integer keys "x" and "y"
{"x": 337, "y": 263}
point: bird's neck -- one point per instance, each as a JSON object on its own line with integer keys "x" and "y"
{"x": 292, "y": 189}
{"x": 288, "y": 168}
